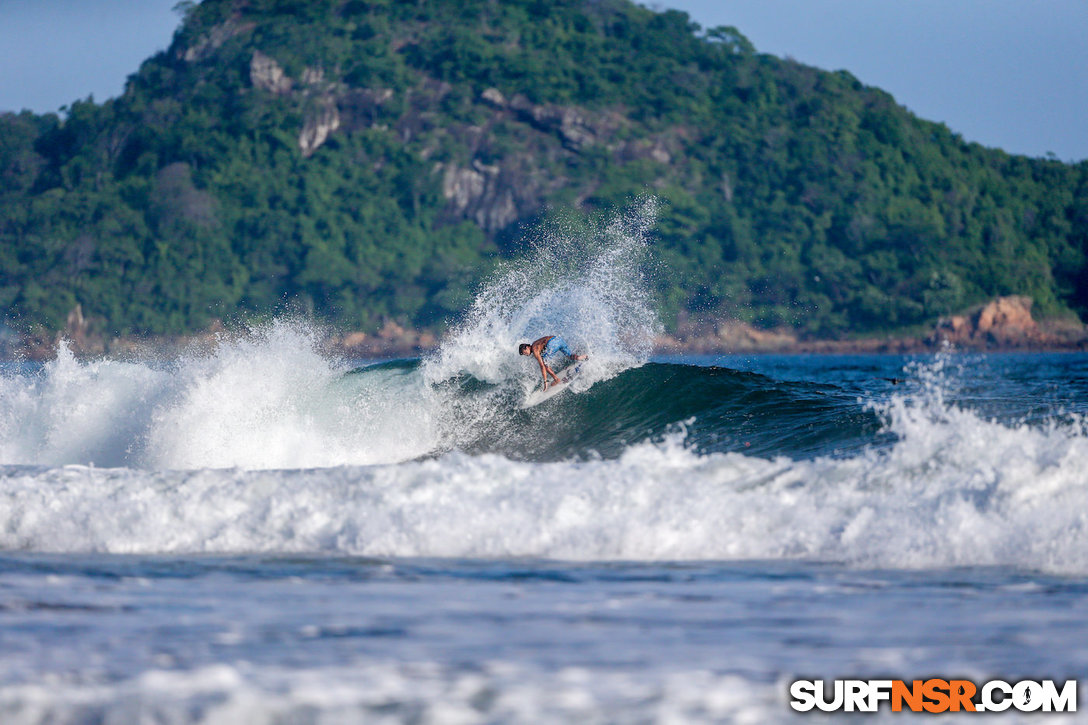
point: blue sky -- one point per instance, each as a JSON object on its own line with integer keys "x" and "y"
{"x": 1007, "y": 73}
{"x": 53, "y": 52}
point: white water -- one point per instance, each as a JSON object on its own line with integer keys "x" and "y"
{"x": 397, "y": 693}
{"x": 588, "y": 287}
{"x": 954, "y": 490}
{"x": 264, "y": 400}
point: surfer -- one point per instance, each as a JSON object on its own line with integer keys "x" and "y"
{"x": 548, "y": 348}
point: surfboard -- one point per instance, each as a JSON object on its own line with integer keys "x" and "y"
{"x": 538, "y": 396}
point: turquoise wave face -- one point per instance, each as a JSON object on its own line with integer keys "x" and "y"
{"x": 718, "y": 409}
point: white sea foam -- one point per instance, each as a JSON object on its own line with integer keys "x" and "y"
{"x": 265, "y": 399}
{"x": 955, "y": 489}
{"x": 397, "y": 693}
{"x": 588, "y": 286}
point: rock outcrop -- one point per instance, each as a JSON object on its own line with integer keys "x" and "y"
{"x": 266, "y": 73}
{"x": 324, "y": 117}
{"x": 75, "y": 328}
{"x": 319, "y": 124}
{"x": 1003, "y": 322}
{"x": 572, "y": 125}
{"x": 494, "y": 96}
{"x": 392, "y": 339}
{"x": 575, "y": 127}
{"x": 479, "y": 193}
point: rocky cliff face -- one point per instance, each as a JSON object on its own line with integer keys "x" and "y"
{"x": 323, "y": 116}
{"x": 573, "y": 126}
{"x": 494, "y": 193}
{"x": 320, "y": 122}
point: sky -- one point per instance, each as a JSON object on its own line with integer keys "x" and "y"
{"x": 1006, "y": 73}
{"x": 53, "y": 52}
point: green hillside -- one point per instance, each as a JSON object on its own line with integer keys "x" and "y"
{"x": 369, "y": 160}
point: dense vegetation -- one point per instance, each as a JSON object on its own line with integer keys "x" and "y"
{"x": 369, "y": 159}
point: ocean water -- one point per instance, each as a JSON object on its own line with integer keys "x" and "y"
{"x": 262, "y": 533}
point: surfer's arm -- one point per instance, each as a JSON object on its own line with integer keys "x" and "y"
{"x": 544, "y": 369}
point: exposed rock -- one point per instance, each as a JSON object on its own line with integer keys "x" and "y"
{"x": 1008, "y": 317}
{"x": 742, "y": 337}
{"x": 660, "y": 154}
{"x": 392, "y": 331}
{"x": 571, "y": 124}
{"x": 266, "y": 73}
{"x": 353, "y": 339}
{"x": 214, "y": 38}
{"x": 462, "y": 187}
{"x": 495, "y": 97}
{"x": 573, "y": 127}
{"x": 379, "y": 95}
{"x": 646, "y": 148}
{"x": 319, "y": 124}
{"x": 477, "y": 193}
{"x": 1002, "y": 322}
{"x": 955, "y": 327}
{"x": 1064, "y": 332}
{"x": 75, "y": 328}
{"x": 727, "y": 187}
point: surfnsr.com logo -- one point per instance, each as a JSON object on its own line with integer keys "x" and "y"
{"x": 933, "y": 695}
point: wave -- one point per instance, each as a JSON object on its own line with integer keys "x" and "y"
{"x": 718, "y": 409}
{"x": 271, "y": 402}
{"x": 952, "y": 489}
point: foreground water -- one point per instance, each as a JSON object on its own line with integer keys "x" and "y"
{"x": 333, "y": 639}
{"x": 259, "y": 534}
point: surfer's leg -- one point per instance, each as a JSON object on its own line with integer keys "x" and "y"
{"x": 560, "y": 346}
{"x": 554, "y": 346}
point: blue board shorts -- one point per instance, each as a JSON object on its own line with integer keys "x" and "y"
{"x": 555, "y": 346}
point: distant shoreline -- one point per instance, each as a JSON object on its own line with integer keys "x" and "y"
{"x": 132, "y": 347}
{"x": 169, "y": 347}
{"x": 1002, "y": 325}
